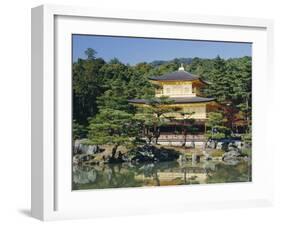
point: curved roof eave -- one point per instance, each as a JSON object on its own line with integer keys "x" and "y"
{"x": 180, "y": 100}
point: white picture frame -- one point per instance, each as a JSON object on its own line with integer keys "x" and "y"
{"x": 52, "y": 197}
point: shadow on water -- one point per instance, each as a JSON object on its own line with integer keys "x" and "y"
{"x": 159, "y": 174}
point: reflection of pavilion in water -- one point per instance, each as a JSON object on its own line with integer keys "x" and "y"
{"x": 186, "y": 175}
{"x": 158, "y": 174}
{"x": 149, "y": 174}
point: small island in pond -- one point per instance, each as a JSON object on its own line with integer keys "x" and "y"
{"x": 170, "y": 122}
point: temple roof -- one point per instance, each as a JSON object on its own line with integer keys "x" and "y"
{"x": 176, "y": 100}
{"x": 180, "y": 75}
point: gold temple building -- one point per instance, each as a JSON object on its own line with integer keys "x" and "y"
{"x": 184, "y": 91}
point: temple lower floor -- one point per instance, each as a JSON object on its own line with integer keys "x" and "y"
{"x": 194, "y": 133}
{"x": 174, "y": 133}
{"x": 178, "y": 129}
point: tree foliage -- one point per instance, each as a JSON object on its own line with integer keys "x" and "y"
{"x": 113, "y": 127}
{"x": 153, "y": 116}
{"x": 216, "y": 126}
{"x": 187, "y": 123}
{"x": 102, "y": 88}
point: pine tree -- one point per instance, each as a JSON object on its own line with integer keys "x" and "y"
{"x": 187, "y": 123}
{"x": 113, "y": 127}
{"x": 216, "y": 128}
{"x": 154, "y": 115}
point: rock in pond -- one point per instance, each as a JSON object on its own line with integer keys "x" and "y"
{"x": 80, "y": 147}
{"x": 232, "y": 157}
{"x": 151, "y": 153}
{"x": 233, "y": 147}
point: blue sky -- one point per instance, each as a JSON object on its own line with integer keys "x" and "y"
{"x": 136, "y": 50}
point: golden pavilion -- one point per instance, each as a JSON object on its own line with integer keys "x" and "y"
{"x": 184, "y": 91}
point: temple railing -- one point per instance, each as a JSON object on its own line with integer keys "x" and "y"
{"x": 180, "y": 137}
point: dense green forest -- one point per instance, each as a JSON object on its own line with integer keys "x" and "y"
{"x": 101, "y": 91}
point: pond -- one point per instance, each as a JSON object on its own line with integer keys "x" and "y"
{"x": 159, "y": 174}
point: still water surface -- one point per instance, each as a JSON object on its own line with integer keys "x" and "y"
{"x": 159, "y": 174}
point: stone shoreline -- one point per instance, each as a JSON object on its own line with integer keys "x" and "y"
{"x": 84, "y": 154}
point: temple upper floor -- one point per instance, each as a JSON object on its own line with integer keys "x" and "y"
{"x": 177, "y": 84}
{"x": 183, "y": 90}
{"x": 177, "y": 89}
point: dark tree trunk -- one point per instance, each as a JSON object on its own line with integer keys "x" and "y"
{"x": 157, "y": 179}
{"x": 156, "y": 133}
{"x": 184, "y": 133}
{"x": 114, "y": 150}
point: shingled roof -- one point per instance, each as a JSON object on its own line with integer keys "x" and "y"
{"x": 180, "y": 75}
{"x": 176, "y": 76}
{"x": 176, "y": 100}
